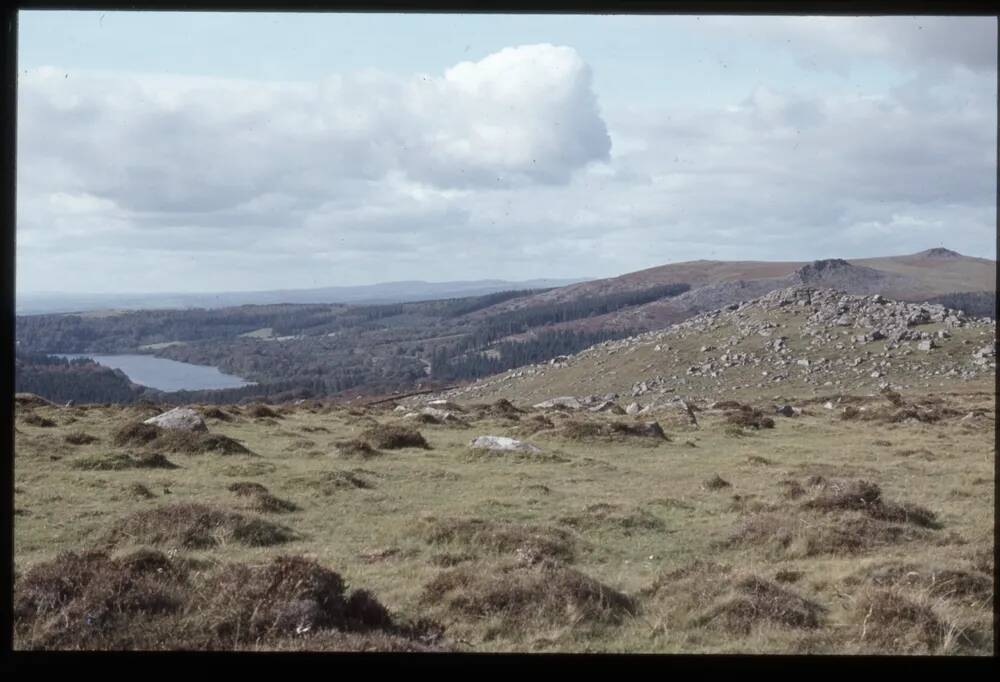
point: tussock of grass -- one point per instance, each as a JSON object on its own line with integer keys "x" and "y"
{"x": 119, "y": 461}
{"x": 195, "y": 526}
{"x": 259, "y": 411}
{"x": 791, "y": 489}
{"x": 716, "y": 482}
{"x": 712, "y": 595}
{"x": 288, "y": 595}
{"x": 890, "y": 622}
{"x": 393, "y": 437}
{"x": 860, "y": 495}
{"x": 356, "y": 448}
{"x": 216, "y": 413}
{"x": 793, "y": 536}
{"x": 248, "y": 469}
{"x": 894, "y": 415}
{"x": 148, "y": 601}
{"x": 611, "y": 430}
{"x": 533, "y": 424}
{"x": 945, "y": 583}
{"x": 523, "y": 598}
{"x": 602, "y": 515}
{"x": 501, "y": 408}
{"x": 496, "y": 537}
{"x": 31, "y": 400}
{"x": 450, "y": 559}
{"x": 138, "y": 434}
{"x": 331, "y": 482}
{"x": 80, "y": 438}
{"x": 752, "y": 600}
{"x": 93, "y": 601}
{"x": 747, "y": 417}
{"x": 200, "y": 443}
{"x": 32, "y": 419}
{"x": 261, "y": 500}
{"x": 139, "y": 491}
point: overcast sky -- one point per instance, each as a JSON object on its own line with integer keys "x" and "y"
{"x": 225, "y": 152}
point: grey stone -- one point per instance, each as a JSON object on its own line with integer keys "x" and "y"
{"x": 180, "y": 419}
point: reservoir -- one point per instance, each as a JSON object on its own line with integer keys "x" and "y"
{"x": 163, "y": 374}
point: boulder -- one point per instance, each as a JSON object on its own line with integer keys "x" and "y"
{"x": 180, "y": 419}
{"x": 502, "y": 444}
{"x": 651, "y": 429}
{"x": 608, "y": 406}
{"x": 633, "y": 408}
{"x": 446, "y": 405}
{"x": 786, "y": 411}
{"x": 566, "y": 402}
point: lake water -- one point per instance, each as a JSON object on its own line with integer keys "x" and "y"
{"x": 163, "y": 374}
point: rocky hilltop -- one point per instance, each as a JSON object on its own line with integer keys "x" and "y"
{"x": 799, "y": 340}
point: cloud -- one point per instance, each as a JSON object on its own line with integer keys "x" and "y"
{"x": 497, "y": 168}
{"x": 522, "y": 115}
{"x": 839, "y": 43}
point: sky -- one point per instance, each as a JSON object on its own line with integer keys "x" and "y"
{"x": 197, "y": 152}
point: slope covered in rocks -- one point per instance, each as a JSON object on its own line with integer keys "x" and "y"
{"x": 795, "y": 341}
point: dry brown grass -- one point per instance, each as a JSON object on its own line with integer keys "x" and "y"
{"x": 147, "y": 601}
{"x": 891, "y": 622}
{"x": 492, "y": 537}
{"x": 331, "y": 482}
{"x": 865, "y": 496}
{"x": 354, "y": 447}
{"x": 751, "y": 601}
{"x": 32, "y": 419}
{"x": 119, "y": 461}
{"x": 611, "y": 516}
{"x": 260, "y": 499}
{"x": 216, "y": 413}
{"x": 138, "y": 434}
{"x": 793, "y": 535}
{"x": 748, "y": 417}
{"x": 259, "y": 411}
{"x": 716, "y": 482}
{"x": 579, "y": 430}
{"x": 523, "y": 598}
{"x": 393, "y": 437}
{"x": 195, "y": 526}
{"x": 80, "y": 438}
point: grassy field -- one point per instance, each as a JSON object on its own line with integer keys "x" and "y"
{"x": 819, "y": 535}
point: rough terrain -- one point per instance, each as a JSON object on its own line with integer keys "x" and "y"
{"x": 658, "y": 494}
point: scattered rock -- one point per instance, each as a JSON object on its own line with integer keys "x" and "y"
{"x": 502, "y": 444}
{"x": 180, "y": 419}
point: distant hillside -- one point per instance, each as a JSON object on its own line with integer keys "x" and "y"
{"x": 798, "y": 340}
{"x": 388, "y": 292}
{"x": 326, "y": 349}
{"x": 924, "y": 276}
{"x": 913, "y": 277}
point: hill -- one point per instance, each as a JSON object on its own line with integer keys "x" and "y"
{"x": 299, "y": 350}
{"x": 799, "y": 340}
